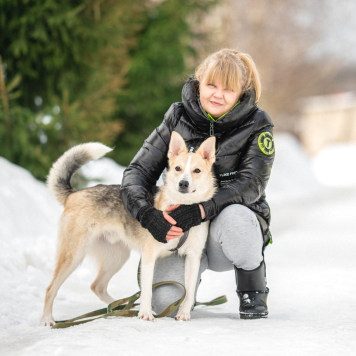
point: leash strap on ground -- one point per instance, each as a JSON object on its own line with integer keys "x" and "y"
{"x": 216, "y": 301}
{"x": 121, "y": 307}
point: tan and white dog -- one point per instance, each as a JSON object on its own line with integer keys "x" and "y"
{"x": 96, "y": 222}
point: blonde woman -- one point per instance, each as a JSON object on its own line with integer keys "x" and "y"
{"x": 219, "y": 100}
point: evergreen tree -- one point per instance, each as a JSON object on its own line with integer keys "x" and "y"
{"x": 68, "y": 59}
{"x": 158, "y": 70}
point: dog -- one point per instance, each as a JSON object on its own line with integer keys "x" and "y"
{"x": 96, "y": 222}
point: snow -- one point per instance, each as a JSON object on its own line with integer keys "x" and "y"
{"x": 335, "y": 165}
{"x": 103, "y": 171}
{"x": 292, "y": 176}
{"x": 310, "y": 267}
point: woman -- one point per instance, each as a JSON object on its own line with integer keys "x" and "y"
{"x": 220, "y": 100}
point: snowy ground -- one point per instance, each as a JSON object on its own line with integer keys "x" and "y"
{"x": 310, "y": 266}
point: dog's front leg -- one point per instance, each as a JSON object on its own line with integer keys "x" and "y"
{"x": 147, "y": 269}
{"x": 192, "y": 264}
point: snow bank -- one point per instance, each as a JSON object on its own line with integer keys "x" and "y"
{"x": 29, "y": 215}
{"x": 292, "y": 176}
{"x": 105, "y": 171}
{"x": 335, "y": 165}
{"x": 26, "y": 207}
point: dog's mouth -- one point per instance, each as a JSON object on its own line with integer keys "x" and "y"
{"x": 186, "y": 192}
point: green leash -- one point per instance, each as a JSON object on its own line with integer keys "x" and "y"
{"x": 122, "y": 307}
{"x": 216, "y": 301}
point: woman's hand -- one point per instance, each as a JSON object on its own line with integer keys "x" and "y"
{"x": 203, "y": 216}
{"x": 176, "y": 231}
{"x": 158, "y": 223}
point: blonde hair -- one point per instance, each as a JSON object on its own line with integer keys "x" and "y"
{"x": 235, "y": 69}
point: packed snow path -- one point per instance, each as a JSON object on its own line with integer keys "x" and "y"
{"x": 311, "y": 271}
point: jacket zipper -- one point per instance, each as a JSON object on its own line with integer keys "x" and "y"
{"x": 211, "y": 128}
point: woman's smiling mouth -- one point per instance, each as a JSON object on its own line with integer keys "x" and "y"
{"x": 215, "y": 103}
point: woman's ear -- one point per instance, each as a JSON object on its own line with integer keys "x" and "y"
{"x": 207, "y": 150}
{"x": 176, "y": 145}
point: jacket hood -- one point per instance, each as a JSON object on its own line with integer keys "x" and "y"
{"x": 190, "y": 99}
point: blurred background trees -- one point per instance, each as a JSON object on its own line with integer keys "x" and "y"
{"x": 161, "y": 61}
{"x": 286, "y": 39}
{"x": 64, "y": 64}
{"x": 107, "y": 70}
{"x": 78, "y": 71}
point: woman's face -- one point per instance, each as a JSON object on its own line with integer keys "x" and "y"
{"x": 217, "y": 100}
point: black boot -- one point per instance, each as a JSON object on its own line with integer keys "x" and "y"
{"x": 252, "y": 292}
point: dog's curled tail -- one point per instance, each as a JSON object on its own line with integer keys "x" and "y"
{"x": 58, "y": 180}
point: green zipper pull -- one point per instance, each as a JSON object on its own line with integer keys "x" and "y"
{"x": 212, "y": 120}
{"x": 211, "y": 129}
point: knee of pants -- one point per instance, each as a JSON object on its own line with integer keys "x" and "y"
{"x": 238, "y": 232}
{"x": 235, "y": 216}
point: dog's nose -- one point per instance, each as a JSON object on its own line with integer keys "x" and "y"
{"x": 183, "y": 186}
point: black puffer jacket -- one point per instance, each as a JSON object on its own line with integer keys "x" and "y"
{"x": 241, "y": 166}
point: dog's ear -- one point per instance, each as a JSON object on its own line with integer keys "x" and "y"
{"x": 207, "y": 150}
{"x": 176, "y": 146}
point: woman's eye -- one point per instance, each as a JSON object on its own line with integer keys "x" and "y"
{"x": 197, "y": 170}
{"x": 211, "y": 85}
{"x": 177, "y": 168}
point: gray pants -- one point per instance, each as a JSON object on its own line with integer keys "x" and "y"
{"x": 234, "y": 239}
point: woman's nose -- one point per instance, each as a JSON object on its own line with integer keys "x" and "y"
{"x": 218, "y": 93}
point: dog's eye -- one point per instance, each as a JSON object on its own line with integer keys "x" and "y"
{"x": 197, "y": 170}
{"x": 177, "y": 168}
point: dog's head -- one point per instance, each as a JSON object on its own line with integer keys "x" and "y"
{"x": 190, "y": 178}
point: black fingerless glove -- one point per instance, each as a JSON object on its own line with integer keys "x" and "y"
{"x": 187, "y": 216}
{"x": 154, "y": 221}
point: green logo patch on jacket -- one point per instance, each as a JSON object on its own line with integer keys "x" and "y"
{"x": 266, "y": 143}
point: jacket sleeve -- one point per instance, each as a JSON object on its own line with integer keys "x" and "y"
{"x": 147, "y": 166}
{"x": 251, "y": 180}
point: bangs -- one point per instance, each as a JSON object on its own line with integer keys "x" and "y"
{"x": 224, "y": 71}
{"x": 232, "y": 69}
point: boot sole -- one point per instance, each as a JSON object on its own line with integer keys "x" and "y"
{"x": 253, "y": 316}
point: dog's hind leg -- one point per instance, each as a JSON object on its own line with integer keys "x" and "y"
{"x": 110, "y": 259}
{"x": 71, "y": 252}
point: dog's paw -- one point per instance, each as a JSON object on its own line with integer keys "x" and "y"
{"x": 183, "y": 315}
{"x": 146, "y": 315}
{"x": 47, "y": 321}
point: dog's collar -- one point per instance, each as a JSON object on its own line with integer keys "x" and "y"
{"x": 181, "y": 241}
